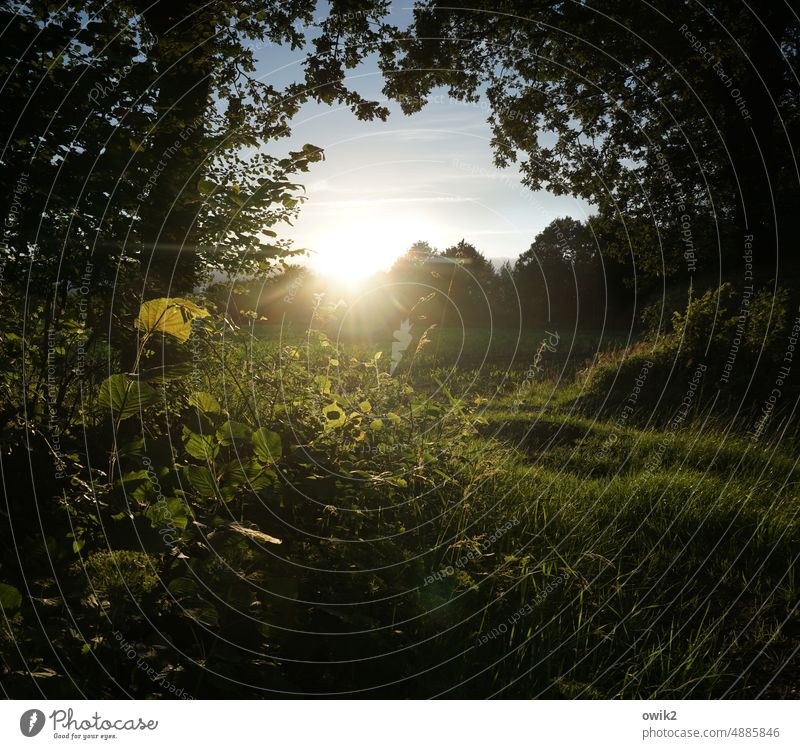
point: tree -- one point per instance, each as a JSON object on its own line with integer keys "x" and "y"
{"x": 566, "y": 278}
{"x": 142, "y": 131}
{"x": 415, "y": 275}
{"x": 676, "y": 119}
{"x": 470, "y": 285}
{"x": 419, "y": 254}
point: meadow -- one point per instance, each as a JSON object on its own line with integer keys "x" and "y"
{"x": 399, "y": 351}
{"x": 286, "y": 517}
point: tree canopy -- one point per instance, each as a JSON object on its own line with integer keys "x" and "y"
{"x": 676, "y": 119}
{"x": 138, "y": 132}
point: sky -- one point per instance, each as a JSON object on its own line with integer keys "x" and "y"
{"x": 428, "y": 176}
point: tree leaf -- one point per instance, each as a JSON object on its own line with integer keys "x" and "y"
{"x": 200, "y": 446}
{"x": 324, "y": 382}
{"x": 237, "y": 475}
{"x": 231, "y": 431}
{"x": 167, "y": 372}
{"x": 10, "y": 597}
{"x": 201, "y": 479}
{"x": 168, "y": 513}
{"x": 334, "y": 416}
{"x": 182, "y": 587}
{"x": 205, "y": 402}
{"x": 125, "y": 396}
{"x": 267, "y": 445}
{"x": 204, "y": 614}
{"x": 205, "y": 186}
{"x": 169, "y": 315}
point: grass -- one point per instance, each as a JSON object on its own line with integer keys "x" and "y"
{"x": 646, "y": 561}
{"x": 556, "y": 548}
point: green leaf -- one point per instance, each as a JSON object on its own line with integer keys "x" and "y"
{"x": 233, "y": 430}
{"x": 134, "y": 446}
{"x": 238, "y": 475}
{"x": 334, "y": 416}
{"x": 10, "y": 597}
{"x": 323, "y": 382}
{"x": 167, "y": 372}
{"x": 206, "y": 187}
{"x": 168, "y": 513}
{"x": 134, "y": 477}
{"x": 125, "y": 396}
{"x": 201, "y": 479}
{"x": 267, "y": 445}
{"x": 312, "y": 152}
{"x": 169, "y": 315}
{"x": 200, "y": 446}
{"x": 182, "y": 587}
{"x": 365, "y": 406}
{"x": 376, "y": 424}
{"x": 204, "y": 614}
{"x": 205, "y": 402}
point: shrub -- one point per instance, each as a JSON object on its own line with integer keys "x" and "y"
{"x": 738, "y": 337}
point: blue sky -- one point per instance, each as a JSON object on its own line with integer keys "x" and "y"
{"x": 425, "y": 176}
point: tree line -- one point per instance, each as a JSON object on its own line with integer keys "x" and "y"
{"x": 563, "y": 279}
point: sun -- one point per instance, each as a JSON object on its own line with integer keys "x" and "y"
{"x": 352, "y": 252}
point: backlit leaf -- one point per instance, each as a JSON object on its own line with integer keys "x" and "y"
{"x": 125, "y": 396}
{"x": 169, "y": 315}
{"x": 168, "y": 513}
{"x": 334, "y": 416}
{"x": 200, "y": 446}
{"x": 233, "y": 430}
{"x": 267, "y": 445}
{"x": 201, "y": 479}
{"x": 205, "y": 402}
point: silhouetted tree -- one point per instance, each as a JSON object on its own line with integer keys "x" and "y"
{"x": 677, "y": 119}
{"x": 565, "y": 278}
{"x": 136, "y": 131}
{"x": 470, "y": 286}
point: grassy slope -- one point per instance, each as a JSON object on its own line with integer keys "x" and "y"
{"x": 681, "y": 576}
{"x": 647, "y": 561}
{"x": 589, "y": 555}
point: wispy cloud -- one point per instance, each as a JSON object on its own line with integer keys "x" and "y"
{"x": 420, "y": 135}
{"x": 393, "y": 201}
{"x": 492, "y": 232}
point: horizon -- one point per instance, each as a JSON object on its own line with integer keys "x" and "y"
{"x": 426, "y": 176}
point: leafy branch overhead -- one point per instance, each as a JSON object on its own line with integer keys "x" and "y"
{"x": 185, "y": 181}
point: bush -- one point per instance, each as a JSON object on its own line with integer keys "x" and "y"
{"x": 737, "y": 341}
